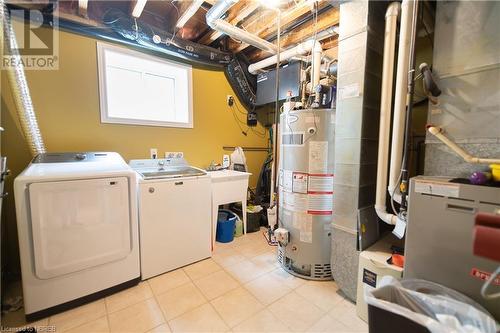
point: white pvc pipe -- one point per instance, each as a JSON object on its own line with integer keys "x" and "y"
{"x": 391, "y": 21}
{"x": 438, "y": 133}
{"x": 401, "y": 94}
{"x": 316, "y": 64}
{"x": 188, "y": 13}
{"x": 300, "y": 49}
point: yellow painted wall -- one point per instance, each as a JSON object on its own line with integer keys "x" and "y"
{"x": 67, "y": 106}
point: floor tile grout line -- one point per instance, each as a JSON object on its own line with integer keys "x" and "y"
{"x": 161, "y": 310}
{"x": 132, "y": 304}
{"x": 107, "y": 315}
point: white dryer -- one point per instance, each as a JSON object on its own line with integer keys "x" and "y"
{"x": 174, "y": 214}
{"x": 78, "y": 230}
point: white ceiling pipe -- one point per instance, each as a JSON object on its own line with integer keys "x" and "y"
{"x": 294, "y": 52}
{"x": 316, "y": 64}
{"x": 391, "y": 21}
{"x": 138, "y": 8}
{"x": 215, "y": 22}
{"x": 398, "y": 121}
{"x": 188, "y": 13}
{"x": 300, "y": 49}
{"x": 438, "y": 133}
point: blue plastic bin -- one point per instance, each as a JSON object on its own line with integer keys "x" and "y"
{"x": 226, "y": 222}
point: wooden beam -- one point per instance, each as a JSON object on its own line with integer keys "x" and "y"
{"x": 266, "y": 27}
{"x": 237, "y": 13}
{"x": 305, "y": 31}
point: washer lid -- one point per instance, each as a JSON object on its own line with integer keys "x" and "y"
{"x": 69, "y": 157}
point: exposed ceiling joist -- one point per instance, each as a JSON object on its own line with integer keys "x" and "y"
{"x": 188, "y": 13}
{"x": 307, "y": 30}
{"x": 238, "y": 13}
{"x": 266, "y": 27}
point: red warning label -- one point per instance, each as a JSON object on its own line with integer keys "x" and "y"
{"x": 482, "y": 275}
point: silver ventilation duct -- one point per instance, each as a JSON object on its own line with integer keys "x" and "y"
{"x": 215, "y": 22}
{"x": 19, "y": 85}
{"x": 359, "y": 79}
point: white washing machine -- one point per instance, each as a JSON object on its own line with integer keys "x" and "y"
{"x": 78, "y": 230}
{"x": 174, "y": 214}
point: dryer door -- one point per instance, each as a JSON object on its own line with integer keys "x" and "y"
{"x": 79, "y": 224}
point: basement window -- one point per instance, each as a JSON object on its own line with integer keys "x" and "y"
{"x": 140, "y": 89}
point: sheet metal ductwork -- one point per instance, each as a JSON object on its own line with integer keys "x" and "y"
{"x": 355, "y": 223}
{"x": 19, "y": 86}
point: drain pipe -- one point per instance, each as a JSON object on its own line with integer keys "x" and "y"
{"x": 215, "y": 22}
{"x": 439, "y": 133}
{"x": 391, "y": 21}
{"x": 398, "y": 122}
{"x": 19, "y": 85}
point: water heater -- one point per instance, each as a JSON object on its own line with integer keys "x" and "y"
{"x": 306, "y": 192}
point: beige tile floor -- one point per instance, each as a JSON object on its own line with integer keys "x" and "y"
{"x": 240, "y": 289}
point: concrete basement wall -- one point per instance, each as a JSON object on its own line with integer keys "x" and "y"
{"x": 67, "y": 106}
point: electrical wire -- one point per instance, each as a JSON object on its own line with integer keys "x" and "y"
{"x": 136, "y": 28}
{"x": 394, "y": 191}
{"x": 257, "y": 133}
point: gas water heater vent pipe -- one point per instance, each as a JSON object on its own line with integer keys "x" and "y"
{"x": 398, "y": 122}
{"x": 438, "y": 133}
{"x": 391, "y": 21}
{"x": 317, "y": 51}
{"x": 215, "y": 22}
{"x": 19, "y": 85}
{"x": 300, "y": 49}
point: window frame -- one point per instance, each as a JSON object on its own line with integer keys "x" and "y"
{"x": 103, "y": 96}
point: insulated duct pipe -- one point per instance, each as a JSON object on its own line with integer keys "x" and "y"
{"x": 398, "y": 122}
{"x": 438, "y": 133}
{"x": 19, "y": 85}
{"x": 391, "y": 21}
{"x": 215, "y": 22}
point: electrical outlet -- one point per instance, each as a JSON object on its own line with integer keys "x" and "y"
{"x": 174, "y": 154}
{"x": 153, "y": 153}
{"x": 230, "y": 100}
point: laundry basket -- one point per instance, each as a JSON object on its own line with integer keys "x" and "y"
{"x": 226, "y": 222}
